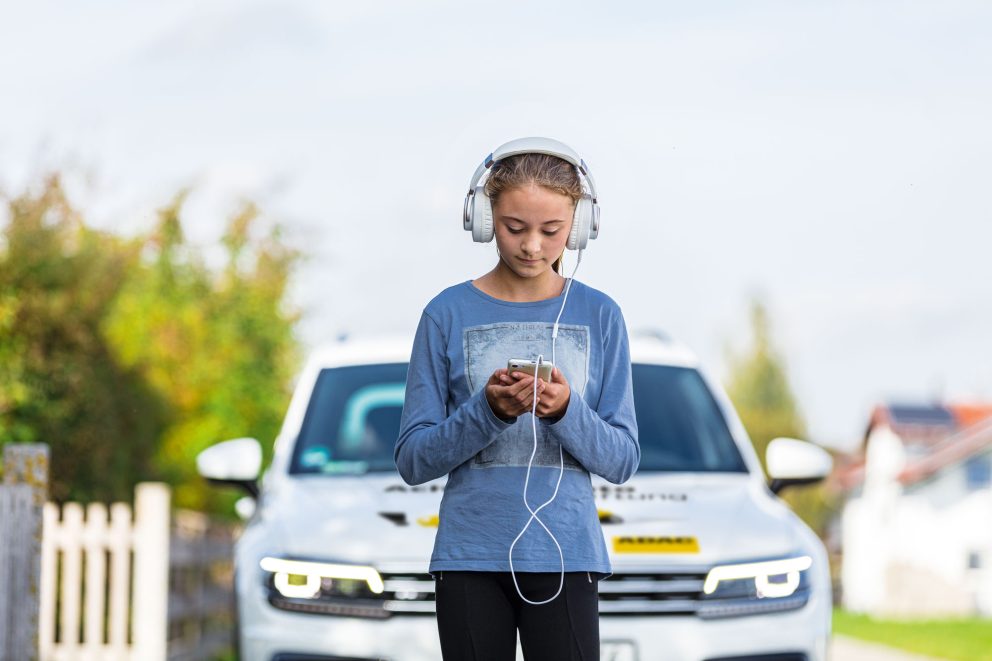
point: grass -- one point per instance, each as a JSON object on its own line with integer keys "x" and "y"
{"x": 960, "y": 639}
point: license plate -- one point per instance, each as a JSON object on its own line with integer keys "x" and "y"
{"x": 617, "y": 650}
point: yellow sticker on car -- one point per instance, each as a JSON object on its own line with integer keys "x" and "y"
{"x": 648, "y": 544}
{"x": 428, "y": 521}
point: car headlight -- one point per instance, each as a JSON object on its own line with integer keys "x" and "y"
{"x": 756, "y": 587}
{"x": 324, "y": 587}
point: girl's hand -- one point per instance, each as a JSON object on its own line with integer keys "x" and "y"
{"x": 510, "y": 398}
{"x": 554, "y": 399}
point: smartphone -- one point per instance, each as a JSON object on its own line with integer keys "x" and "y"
{"x": 528, "y": 367}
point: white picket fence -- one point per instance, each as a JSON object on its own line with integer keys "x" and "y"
{"x": 80, "y": 618}
{"x": 108, "y": 584}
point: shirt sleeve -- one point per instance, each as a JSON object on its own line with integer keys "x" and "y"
{"x": 604, "y": 439}
{"x": 431, "y": 443}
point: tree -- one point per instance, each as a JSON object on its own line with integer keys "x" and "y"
{"x": 759, "y": 388}
{"x": 129, "y": 356}
{"x": 219, "y": 348}
{"x": 60, "y": 382}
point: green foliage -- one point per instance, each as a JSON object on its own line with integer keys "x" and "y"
{"x": 218, "y": 348}
{"x": 60, "y": 382}
{"x": 759, "y": 388}
{"x": 131, "y": 356}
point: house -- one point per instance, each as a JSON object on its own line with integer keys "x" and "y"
{"x": 916, "y": 528}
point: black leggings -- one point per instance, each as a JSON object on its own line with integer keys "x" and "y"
{"x": 479, "y": 613}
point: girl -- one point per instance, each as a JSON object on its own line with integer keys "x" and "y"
{"x": 519, "y": 450}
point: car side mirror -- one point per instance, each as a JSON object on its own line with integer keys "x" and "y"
{"x": 793, "y": 463}
{"x": 232, "y": 463}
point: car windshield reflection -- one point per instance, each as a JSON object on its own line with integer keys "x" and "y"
{"x": 353, "y": 420}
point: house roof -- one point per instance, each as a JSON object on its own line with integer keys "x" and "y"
{"x": 949, "y": 433}
{"x": 970, "y": 414}
{"x": 959, "y": 447}
{"x": 933, "y": 415}
{"x": 915, "y": 424}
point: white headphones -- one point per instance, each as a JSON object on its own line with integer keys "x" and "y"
{"x": 477, "y": 215}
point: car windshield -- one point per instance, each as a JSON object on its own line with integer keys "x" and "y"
{"x": 353, "y": 420}
{"x": 679, "y": 425}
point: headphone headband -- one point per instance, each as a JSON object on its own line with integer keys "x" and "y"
{"x": 535, "y": 145}
{"x": 477, "y": 216}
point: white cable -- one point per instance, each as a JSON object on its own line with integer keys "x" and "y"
{"x": 530, "y": 463}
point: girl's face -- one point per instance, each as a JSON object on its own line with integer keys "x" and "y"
{"x": 531, "y": 224}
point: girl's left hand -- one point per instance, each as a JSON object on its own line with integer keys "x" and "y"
{"x": 554, "y": 400}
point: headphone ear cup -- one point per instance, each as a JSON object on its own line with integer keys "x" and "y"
{"x": 582, "y": 219}
{"x": 482, "y": 216}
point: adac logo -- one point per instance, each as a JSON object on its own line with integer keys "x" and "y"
{"x": 646, "y": 544}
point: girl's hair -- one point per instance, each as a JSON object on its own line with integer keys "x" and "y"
{"x": 555, "y": 174}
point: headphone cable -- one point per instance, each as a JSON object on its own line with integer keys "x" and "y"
{"x": 561, "y": 459}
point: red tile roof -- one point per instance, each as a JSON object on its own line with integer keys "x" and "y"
{"x": 965, "y": 431}
{"x": 968, "y": 415}
{"x": 954, "y": 450}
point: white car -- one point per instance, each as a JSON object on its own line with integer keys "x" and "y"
{"x": 708, "y": 563}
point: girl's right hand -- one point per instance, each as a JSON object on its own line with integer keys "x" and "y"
{"x": 514, "y": 399}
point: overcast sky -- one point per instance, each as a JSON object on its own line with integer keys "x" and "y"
{"x": 833, "y": 158}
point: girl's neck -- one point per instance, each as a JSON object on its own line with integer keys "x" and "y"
{"x": 504, "y": 284}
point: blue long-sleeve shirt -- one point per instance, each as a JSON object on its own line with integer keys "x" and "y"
{"x": 449, "y": 428}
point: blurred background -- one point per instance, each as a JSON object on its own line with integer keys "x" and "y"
{"x": 196, "y": 195}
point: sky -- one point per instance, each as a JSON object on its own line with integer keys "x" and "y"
{"x": 831, "y": 159}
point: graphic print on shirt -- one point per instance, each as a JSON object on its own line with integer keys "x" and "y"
{"x": 488, "y": 348}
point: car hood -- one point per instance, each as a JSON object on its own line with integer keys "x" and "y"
{"x": 655, "y": 518}
{"x": 363, "y": 519}
{"x": 693, "y": 519}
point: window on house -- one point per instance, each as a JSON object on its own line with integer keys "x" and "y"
{"x": 974, "y": 560}
{"x": 978, "y": 472}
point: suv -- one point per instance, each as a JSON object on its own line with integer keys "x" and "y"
{"x": 708, "y": 564}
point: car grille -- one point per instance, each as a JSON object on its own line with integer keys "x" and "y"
{"x": 408, "y": 593}
{"x": 620, "y": 594}
{"x": 650, "y": 593}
